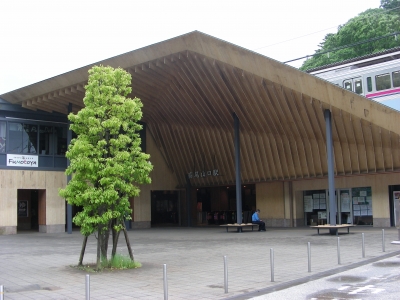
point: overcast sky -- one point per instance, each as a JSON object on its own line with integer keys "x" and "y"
{"x": 44, "y": 38}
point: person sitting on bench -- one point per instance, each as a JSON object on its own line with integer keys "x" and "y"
{"x": 256, "y": 220}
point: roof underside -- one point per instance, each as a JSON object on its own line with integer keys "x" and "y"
{"x": 190, "y": 87}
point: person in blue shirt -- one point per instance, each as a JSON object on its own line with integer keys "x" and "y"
{"x": 255, "y": 219}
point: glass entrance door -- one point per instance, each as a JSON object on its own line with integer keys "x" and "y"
{"x": 345, "y": 214}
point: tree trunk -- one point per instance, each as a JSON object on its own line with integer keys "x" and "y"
{"x": 99, "y": 238}
{"x": 104, "y": 234}
{"x": 82, "y": 250}
{"x": 115, "y": 236}
{"x": 128, "y": 244}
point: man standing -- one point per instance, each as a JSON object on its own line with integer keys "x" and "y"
{"x": 255, "y": 219}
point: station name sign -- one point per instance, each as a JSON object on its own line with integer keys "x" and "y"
{"x": 199, "y": 174}
{"x": 18, "y": 160}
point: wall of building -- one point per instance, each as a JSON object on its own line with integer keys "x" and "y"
{"x": 162, "y": 179}
{"x": 270, "y": 200}
{"x": 50, "y": 181}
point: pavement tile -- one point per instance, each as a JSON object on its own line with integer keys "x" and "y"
{"x": 194, "y": 258}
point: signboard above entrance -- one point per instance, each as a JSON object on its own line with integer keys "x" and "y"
{"x": 20, "y": 160}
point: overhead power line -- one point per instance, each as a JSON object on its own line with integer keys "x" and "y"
{"x": 346, "y": 46}
{"x": 299, "y": 37}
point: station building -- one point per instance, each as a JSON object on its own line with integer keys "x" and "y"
{"x": 222, "y": 124}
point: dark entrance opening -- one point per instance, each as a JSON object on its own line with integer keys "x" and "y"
{"x": 28, "y": 210}
{"x": 164, "y": 208}
{"x": 217, "y": 205}
{"x": 393, "y": 190}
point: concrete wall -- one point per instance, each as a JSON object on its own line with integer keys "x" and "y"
{"x": 51, "y": 181}
{"x": 162, "y": 179}
{"x": 270, "y": 200}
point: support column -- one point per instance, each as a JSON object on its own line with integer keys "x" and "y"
{"x": 69, "y": 207}
{"x": 237, "y": 168}
{"x": 189, "y": 201}
{"x": 331, "y": 177}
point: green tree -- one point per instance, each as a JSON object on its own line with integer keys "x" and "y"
{"x": 106, "y": 161}
{"x": 368, "y": 25}
{"x": 390, "y": 4}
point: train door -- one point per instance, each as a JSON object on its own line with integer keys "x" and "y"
{"x": 354, "y": 84}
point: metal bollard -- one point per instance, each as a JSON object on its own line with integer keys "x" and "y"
{"x": 87, "y": 286}
{"x": 309, "y": 256}
{"x": 271, "y": 252}
{"x": 165, "y": 282}
{"x": 338, "y": 250}
{"x": 363, "y": 245}
{"x": 383, "y": 240}
{"x": 1, "y": 292}
{"x": 226, "y": 274}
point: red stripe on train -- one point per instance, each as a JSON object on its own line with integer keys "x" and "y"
{"x": 383, "y": 93}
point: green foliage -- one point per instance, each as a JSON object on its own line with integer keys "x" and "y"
{"x": 123, "y": 262}
{"x": 367, "y": 25}
{"x": 105, "y": 159}
{"x": 390, "y": 4}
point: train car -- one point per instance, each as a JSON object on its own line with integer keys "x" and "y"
{"x": 375, "y": 76}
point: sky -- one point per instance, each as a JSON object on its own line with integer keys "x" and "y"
{"x": 44, "y": 38}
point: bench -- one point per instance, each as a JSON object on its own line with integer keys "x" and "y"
{"x": 334, "y": 228}
{"x": 239, "y": 226}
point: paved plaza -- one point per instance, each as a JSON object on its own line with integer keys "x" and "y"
{"x": 38, "y": 266}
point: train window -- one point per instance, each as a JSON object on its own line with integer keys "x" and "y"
{"x": 396, "y": 78}
{"x": 358, "y": 86}
{"x": 369, "y": 84}
{"x": 382, "y": 82}
{"x": 347, "y": 84}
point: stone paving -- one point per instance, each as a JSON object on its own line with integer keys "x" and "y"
{"x": 38, "y": 266}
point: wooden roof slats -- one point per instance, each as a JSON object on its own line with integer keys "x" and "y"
{"x": 269, "y": 119}
{"x": 195, "y": 97}
{"x": 290, "y": 138}
{"x": 212, "y": 94}
{"x": 199, "y": 93}
{"x": 365, "y": 147}
{"x": 349, "y": 161}
{"x": 395, "y": 142}
{"x": 267, "y": 126}
{"x": 318, "y": 116}
{"x": 338, "y": 145}
{"x": 258, "y": 119}
{"x": 302, "y": 136}
{"x": 390, "y": 151}
{"x": 382, "y": 150}
{"x": 299, "y": 151}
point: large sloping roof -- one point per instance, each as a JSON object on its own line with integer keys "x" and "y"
{"x": 192, "y": 84}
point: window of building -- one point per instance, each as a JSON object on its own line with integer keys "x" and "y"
{"x": 396, "y": 79}
{"x": 315, "y": 207}
{"x": 382, "y": 82}
{"x": 3, "y": 134}
{"x": 22, "y": 138}
{"x": 60, "y": 138}
{"x": 362, "y": 205}
{"x": 369, "y": 84}
{"x": 48, "y": 141}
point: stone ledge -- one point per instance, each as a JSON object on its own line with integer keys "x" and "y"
{"x": 141, "y": 224}
{"x": 54, "y": 228}
{"x": 6, "y": 230}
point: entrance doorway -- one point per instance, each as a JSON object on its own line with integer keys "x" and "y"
{"x": 31, "y": 209}
{"x": 217, "y": 205}
{"x": 165, "y": 208}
